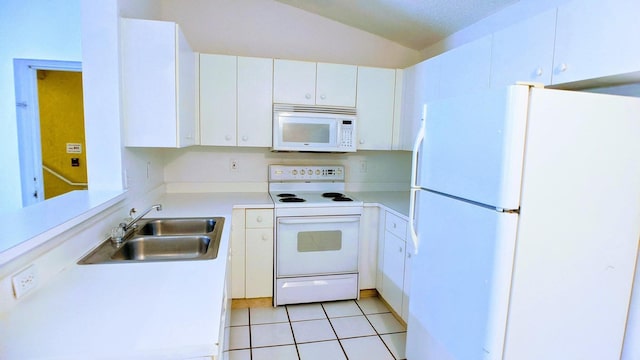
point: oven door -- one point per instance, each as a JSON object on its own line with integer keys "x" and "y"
{"x": 316, "y": 245}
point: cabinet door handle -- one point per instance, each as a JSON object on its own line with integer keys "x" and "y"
{"x": 245, "y": 138}
{"x": 563, "y": 67}
{"x": 307, "y": 96}
{"x": 265, "y": 237}
{"x": 361, "y": 141}
{"x": 323, "y": 96}
{"x": 228, "y": 137}
{"x": 539, "y": 72}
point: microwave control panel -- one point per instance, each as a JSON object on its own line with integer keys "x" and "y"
{"x": 346, "y": 134}
{"x": 302, "y": 172}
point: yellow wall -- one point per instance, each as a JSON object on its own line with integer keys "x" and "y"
{"x": 61, "y": 122}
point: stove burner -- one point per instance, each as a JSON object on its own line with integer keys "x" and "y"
{"x": 286, "y": 195}
{"x": 342, "y": 198}
{"x": 332, "y": 195}
{"x": 291, "y": 199}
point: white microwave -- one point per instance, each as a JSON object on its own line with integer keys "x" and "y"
{"x": 314, "y": 128}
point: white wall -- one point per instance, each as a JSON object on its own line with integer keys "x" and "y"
{"x": 266, "y": 28}
{"x": 37, "y": 29}
{"x": 208, "y": 168}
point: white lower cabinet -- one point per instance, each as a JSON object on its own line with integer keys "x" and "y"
{"x": 367, "y": 257}
{"x": 252, "y": 253}
{"x": 259, "y": 253}
{"x": 394, "y": 262}
{"x": 238, "y": 254}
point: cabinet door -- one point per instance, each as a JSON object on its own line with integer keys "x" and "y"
{"x": 420, "y": 86}
{"x": 596, "y": 38}
{"x": 336, "y": 84}
{"x": 367, "y": 257}
{"x": 149, "y": 101}
{"x": 393, "y": 271}
{"x": 186, "y": 92}
{"x": 238, "y": 254}
{"x": 524, "y": 51}
{"x": 259, "y": 263}
{"x": 255, "y": 99}
{"x": 218, "y": 100}
{"x": 294, "y": 82}
{"x": 406, "y": 289}
{"x": 375, "y": 107}
{"x": 465, "y": 68}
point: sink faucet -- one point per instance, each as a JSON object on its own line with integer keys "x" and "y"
{"x": 127, "y": 226}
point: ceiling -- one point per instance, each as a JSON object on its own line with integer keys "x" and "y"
{"x": 415, "y": 24}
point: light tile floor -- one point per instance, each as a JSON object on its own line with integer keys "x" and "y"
{"x": 342, "y": 330}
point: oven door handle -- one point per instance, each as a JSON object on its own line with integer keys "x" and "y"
{"x": 334, "y": 219}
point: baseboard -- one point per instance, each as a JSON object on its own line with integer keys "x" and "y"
{"x": 268, "y": 301}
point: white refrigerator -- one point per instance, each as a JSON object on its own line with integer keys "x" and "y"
{"x": 526, "y": 218}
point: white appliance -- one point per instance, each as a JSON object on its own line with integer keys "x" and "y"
{"x": 314, "y": 128}
{"x": 317, "y": 234}
{"x": 525, "y": 214}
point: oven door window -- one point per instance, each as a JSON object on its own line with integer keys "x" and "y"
{"x": 319, "y": 240}
{"x": 317, "y": 245}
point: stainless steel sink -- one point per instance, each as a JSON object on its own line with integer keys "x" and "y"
{"x": 177, "y": 247}
{"x": 177, "y": 226}
{"x": 153, "y": 240}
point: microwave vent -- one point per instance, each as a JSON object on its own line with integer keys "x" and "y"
{"x": 293, "y": 108}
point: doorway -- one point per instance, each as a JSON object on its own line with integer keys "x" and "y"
{"x": 50, "y": 118}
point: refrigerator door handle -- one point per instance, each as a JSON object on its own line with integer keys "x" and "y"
{"x": 414, "y": 180}
{"x": 416, "y": 149}
{"x": 412, "y": 218}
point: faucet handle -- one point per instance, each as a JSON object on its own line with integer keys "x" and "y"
{"x": 131, "y": 212}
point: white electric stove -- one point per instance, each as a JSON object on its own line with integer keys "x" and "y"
{"x": 317, "y": 229}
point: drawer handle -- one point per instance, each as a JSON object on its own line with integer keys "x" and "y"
{"x": 259, "y": 219}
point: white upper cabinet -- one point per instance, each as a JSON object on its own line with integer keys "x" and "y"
{"x": 375, "y": 107}
{"x": 159, "y": 84}
{"x": 336, "y": 84}
{"x": 218, "y": 99}
{"x": 420, "y": 86}
{"x": 465, "y": 68}
{"x": 255, "y": 98}
{"x": 294, "y": 82}
{"x": 524, "y": 51}
{"x": 596, "y": 38}
{"x": 303, "y": 82}
{"x": 235, "y": 100}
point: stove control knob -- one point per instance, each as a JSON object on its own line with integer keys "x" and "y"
{"x": 294, "y": 172}
{"x": 302, "y": 172}
{"x": 317, "y": 172}
{"x": 310, "y": 172}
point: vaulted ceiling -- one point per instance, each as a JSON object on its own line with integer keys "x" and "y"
{"x": 415, "y": 24}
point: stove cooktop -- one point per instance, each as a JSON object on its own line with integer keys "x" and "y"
{"x": 314, "y": 199}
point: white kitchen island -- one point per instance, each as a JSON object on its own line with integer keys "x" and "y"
{"x": 156, "y": 310}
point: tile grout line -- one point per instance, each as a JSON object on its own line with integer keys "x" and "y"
{"x": 334, "y": 331}
{"x": 377, "y": 333}
{"x": 293, "y": 334}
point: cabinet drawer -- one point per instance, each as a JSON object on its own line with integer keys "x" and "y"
{"x": 396, "y": 225}
{"x": 259, "y": 218}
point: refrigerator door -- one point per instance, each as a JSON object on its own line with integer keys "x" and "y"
{"x": 579, "y": 228}
{"x": 473, "y": 146}
{"x": 460, "y": 280}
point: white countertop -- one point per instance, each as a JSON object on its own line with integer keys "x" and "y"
{"x": 397, "y": 201}
{"x": 162, "y": 310}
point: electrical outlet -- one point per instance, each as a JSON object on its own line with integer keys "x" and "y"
{"x": 24, "y": 281}
{"x": 233, "y": 165}
{"x": 363, "y": 166}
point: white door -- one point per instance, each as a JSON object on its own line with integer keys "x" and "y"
{"x": 474, "y": 144}
{"x": 317, "y": 245}
{"x": 460, "y": 280}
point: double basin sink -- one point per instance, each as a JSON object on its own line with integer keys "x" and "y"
{"x": 154, "y": 240}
